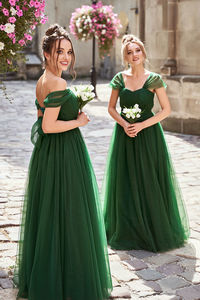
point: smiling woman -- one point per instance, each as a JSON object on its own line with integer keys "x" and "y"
{"x": 143, "y": 205}
{"x": 59, "y": 48}
{"x": 62, "y": 244}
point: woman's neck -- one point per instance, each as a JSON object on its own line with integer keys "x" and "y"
{"x": 137, "y": 71}
{"x": 54, "y": 72}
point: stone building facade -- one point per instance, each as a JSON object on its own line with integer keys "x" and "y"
{"x": 171, "y": 32}
{"x": 172, "y": 36}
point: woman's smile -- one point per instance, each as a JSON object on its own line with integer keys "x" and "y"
{"x": 65, "y": 63}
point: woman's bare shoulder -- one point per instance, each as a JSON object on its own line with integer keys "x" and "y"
{"x": 49, "y": 84}
{"x": 56, "y": 84}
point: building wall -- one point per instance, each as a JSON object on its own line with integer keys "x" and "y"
{"x": 184, "y": 96}
{"x": 156, "y": 38}
{"x": 172, "y": 35}
{"x": 187, "y": 34}
{"x": 172, "y": 39}
{"x": 188, "y": 37}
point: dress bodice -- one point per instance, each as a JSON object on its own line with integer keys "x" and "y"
{"x": 66, "y": 99}
{"x": 68, "y": 102}
{"x": 143, "y": 96}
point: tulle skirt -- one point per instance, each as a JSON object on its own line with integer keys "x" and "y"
{"x": 62, "y": 248}
{"x": 143, "y": 206}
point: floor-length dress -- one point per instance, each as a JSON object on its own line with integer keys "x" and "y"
{"x": 62, "y": 248}
{"x": 143, "y": 207}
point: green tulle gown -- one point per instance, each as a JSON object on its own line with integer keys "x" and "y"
{"x": 143, "y": 205}
{"x": 63, "y": 248}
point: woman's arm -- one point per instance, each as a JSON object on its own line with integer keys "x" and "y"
{"x": 128, "y": 128}
{"x": 166, "y": 109}
{"x": 50, "y": 122}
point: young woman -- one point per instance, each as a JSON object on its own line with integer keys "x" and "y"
{"x": 143, "y": 205}
{"x": 62, "y": 252}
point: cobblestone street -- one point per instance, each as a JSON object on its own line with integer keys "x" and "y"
{"x": 173, "y": 275}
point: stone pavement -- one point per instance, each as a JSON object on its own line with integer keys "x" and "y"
{"x": 136, "y": 274}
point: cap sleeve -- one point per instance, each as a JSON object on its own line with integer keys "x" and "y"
{"x": 57, "y": 98}
{"x": 155, "y": 81}
{"x": 117, "y": 83}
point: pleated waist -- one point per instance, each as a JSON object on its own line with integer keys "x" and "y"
{"x": 37, "y": 133}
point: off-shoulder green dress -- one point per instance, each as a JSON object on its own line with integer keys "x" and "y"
{"x": 143, "y": 206}
{"x": 62, "y": 248}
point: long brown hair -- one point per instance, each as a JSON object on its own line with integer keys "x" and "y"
{"x": 56, "y": 32}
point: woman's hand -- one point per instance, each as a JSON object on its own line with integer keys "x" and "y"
{"x": 133, "y": 129}
{"x": 137, "y": 127}
{"x": 128, "y": 128}
{"x": 82, "y": 119}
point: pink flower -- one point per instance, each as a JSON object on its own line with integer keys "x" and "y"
{"x": 12, "y": 19}
{"x": 0, "y": 4}
{"x": 32, "y": 27}
{"x": 32, "y": 3}
{"x": 12, "y": 2}
{"x": 20, "y": 13}
{"x": 44, "y": 20}
{"x": 11, "y": 35}
{"x": 5, "y": 12}
{"x": 97, "y": 5}
{"x": 42, "y": 6}
{"x": 37, "y": 4}
{"x": 14, "y": 40}
{"x": 17, "y": 7}
{"x": 37, "y": 13}
{"x": 9, "y": 62}
{"x": 28, "y": 37}
{"x": 21, "y": 42}
{"x": 2, "y": 27}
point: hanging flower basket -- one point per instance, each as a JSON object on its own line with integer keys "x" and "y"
{"x": 18, "y": 19}
{"x": 97, "y": 20}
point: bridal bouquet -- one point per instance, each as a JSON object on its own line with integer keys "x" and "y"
{"x": 84, "y": 95}
{"x": 132, "y": 114}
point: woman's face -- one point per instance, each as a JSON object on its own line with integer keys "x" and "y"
{"x": 134, "y": 54}
{"x": 61, "y": 55}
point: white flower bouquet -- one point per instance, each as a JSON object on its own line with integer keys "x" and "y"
{"x": 84, "y": 95}
{"x": 132, "y": 114}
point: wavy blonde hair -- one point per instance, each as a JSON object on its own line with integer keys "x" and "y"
{"x": 127, "y": 40}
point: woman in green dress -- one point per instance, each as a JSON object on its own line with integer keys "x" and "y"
{"x": 62, "y": 248}
{"x": 143, "y": 206}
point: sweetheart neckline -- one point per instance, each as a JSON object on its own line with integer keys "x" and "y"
{"x": 137, "y": 89}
